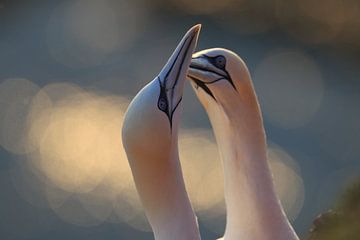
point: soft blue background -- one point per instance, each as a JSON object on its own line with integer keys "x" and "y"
{"x": 24, "y": 53}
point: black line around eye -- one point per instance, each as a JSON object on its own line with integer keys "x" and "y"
{"x": 228, "y": 77}
{"x": 163, "y": 104}
{"x": 212, "y": 61}
{"x": 163, "y": 101}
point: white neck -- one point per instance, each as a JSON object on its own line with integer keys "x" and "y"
{"x": 160, "y": 183}
{"x": 173, "y": 218}
{"x": 152, "y": 152}
{"x": 253, "y": 210}
{"x": 162, "y": 190}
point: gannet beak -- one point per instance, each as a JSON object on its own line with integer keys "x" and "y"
{"x": 202, "y": 69}
{"x": 203, "y": 72}
{"x": 173, "y": 75}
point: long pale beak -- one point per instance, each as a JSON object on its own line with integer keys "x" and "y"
{"x": 201, "y": 66}
{"x": 173, "y": 75}
{"x": 203, "y": 73}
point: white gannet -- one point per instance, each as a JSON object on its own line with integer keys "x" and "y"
{"x": 150, "y": 139}
{"x": 223, "y": 85}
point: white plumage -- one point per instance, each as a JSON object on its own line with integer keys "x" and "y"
{"x": 150, "y": 133}
{"x": 223, "y": 85}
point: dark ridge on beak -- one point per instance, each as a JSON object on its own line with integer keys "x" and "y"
{"x": 199, "y": 67}
{"x": 175, "y": 60}
{"x": 173, "y": 75}
{"x": 184, "y": 58}
{"x": 163, "y": 88}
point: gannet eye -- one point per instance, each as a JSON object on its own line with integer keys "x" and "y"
{"x": 162, "y": 104}
{"x": 220, "y": 62}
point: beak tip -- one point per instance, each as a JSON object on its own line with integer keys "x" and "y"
{"x": 196, "y": 29}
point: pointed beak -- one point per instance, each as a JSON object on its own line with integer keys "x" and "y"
{"x": 201, "y": 69}
{"x": 173, "y": 75}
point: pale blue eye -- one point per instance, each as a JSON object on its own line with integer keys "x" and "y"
{"x": 162, "y": 104}
{"x": 220, "y": 62}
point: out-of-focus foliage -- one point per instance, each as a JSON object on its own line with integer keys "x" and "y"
{"x": 342, "y": 223}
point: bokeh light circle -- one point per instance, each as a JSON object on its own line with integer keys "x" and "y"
{"x": 288, "y": 181}
{"x": 290, "y": 88}
{"x": 79, "y": 169}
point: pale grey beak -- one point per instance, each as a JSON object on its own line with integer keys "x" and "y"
{"x": 173, "y": 75}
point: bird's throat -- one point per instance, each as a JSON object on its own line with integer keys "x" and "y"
{"x": 253, "y": 209}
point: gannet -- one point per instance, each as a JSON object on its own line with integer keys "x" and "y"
{"x": 150, "y": 134}
{"x": 223, "y": 85}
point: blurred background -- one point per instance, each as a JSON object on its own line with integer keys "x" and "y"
{"x": 68, "y": 70}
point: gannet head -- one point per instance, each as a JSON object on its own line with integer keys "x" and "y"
{"x": 151, "y": 120}
{"x": 224, "y": 87}
{"x": 220, "y": 78}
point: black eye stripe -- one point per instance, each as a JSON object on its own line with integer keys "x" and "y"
{"x": 163, "y": 103}
{"x": 218, "y": 61}
{"x": 212, "y": 61}
{"x": 202, "y": 85}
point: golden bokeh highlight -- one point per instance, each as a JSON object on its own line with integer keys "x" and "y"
{"x": 288, "y": 181}
{"x": 201, "y": 167}
{"x": 290, "y": 88}
{"x": 76, "y": 166}
{"x": 203, "y": 173}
